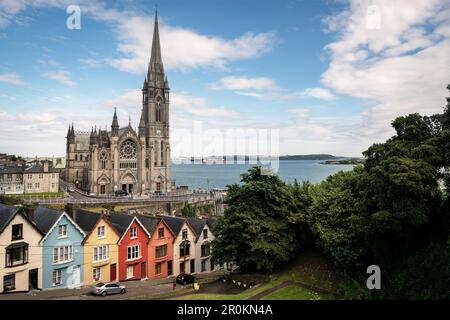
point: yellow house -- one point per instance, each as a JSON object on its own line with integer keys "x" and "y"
{"x": 20, "y": 251}
{"x": 101, "y": 252}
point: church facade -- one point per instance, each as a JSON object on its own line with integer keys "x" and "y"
{"x": 102, "y": 162}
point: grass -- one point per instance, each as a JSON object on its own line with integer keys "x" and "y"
{"x": 294, "y": 292}
{"x": 310, "y": 268}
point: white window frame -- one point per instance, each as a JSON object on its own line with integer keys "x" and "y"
{"x": 62, "y": 254}
{"x": 62, "y": 231}
{"x": 98, "y": 272}
{"x": 133, "y": 232}
{"x": 133, "y": 252}
{"x": 57, "y": 277}
{"x": 102, "y": 234}
{"x": 100, "y": 253}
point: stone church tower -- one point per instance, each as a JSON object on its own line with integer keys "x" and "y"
{"x": 103, "y": 162}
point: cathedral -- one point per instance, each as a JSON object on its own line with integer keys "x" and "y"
{"x": 105, "y": 162}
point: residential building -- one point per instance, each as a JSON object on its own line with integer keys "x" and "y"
{"x": 101, "y": 252}
{"x": 184, "y": 253}
{"x": 133, "y": 250}
{"x": 41, "y": 178}
{"x": 11, "y": 180}
{"x": 20, "y": 251}
{"x": 160, "y": 247}
{"x": 63, "y": 254}
{"x": 203, "y": 248}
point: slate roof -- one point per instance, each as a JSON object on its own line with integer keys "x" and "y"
{"x": 86, "y": 220}
{"x": 45, "y": 218}
{"x": 38, "y": 168}
{"x": 174, "y": 223}
{"x": 6, "y": 214}
{"x": 149, "y": 222}
{"x": 10, "y": 170}
{"x": 120, "y": 221}
{"x": 197, "y": 225}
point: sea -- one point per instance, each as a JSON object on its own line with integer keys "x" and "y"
{"x": 218, "y": 176}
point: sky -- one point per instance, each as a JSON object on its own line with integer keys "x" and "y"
{"x": 305, "y": 76}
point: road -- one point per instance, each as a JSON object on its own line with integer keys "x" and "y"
{"x": 135, "y": 289}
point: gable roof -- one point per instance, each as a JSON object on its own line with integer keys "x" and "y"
{"x": 198, "y": 225}
{"x": 174, "y": 223}
{"x": 107, "y": 220}
{"x": 120, "y": 221}
{"x": 150, "y": 223}
{"x": 86, "y": 220}
{"x": 7, "y": 213}
{"x": 45, "y": 218}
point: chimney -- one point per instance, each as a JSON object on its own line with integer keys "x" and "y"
{"x": 71, "y": 211}
{"x": 45, "y": 166}
{"x": 29, "y": 212}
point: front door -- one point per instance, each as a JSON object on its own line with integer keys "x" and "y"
{"x": 143, "y": 270}
{"x": 113, "y": 272}
{"x": 76, "y": 279}
{"x": 124, "y": 187}
{"x": 192, "y": 266}
{"x": 130, "y": 188}
{"x": 33, "y": 279}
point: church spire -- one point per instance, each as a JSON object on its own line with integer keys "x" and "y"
{"x": 156, "y": 68}
{"x": 115, "y": 124}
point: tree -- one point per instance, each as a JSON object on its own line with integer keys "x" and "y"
{"x": 189, "y": 211}
{"x": 259, "y": 227}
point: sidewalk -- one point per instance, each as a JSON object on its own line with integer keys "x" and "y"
{"x": 135, "y": 289}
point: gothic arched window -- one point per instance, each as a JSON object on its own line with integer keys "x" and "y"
{"x": 162, "y": 153}
{"x": 104, "y": 160}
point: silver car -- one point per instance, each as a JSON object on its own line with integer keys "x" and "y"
{"x": 103, "y": 289}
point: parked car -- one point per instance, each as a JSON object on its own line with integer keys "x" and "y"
{"x": 121, "y": 193}
{"x": 185, "y": 279}
{"x": 103, "y": 289}
{"x": 71, "y": 189}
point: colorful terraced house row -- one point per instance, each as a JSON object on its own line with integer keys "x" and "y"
{"x": 44, "y": 248}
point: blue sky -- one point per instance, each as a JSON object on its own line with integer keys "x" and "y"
{"x": 327, "y": 76}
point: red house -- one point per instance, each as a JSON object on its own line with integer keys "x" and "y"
{"x": 160, "y": 247}
{"x": 133, "y": 246}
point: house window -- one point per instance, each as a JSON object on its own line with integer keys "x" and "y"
{"x": 37, "y": 185}
{"x": 161, "y": 233}
{"x": 185, "y": 234}
{"x": 62, "y": 254}
{"x": 17, "y": 232}
{"x": 29, "y": 186}
{"x": 161, "y": 251}
{"x": 57, "y": 277}
{"x": 53, "y": 185}
{"x": 16, "y": 254}
{"x": 203, "y": 266}
{"x": 130, "y": 272}
{"x": 182, "y": 267}
{"x": 101, "y": 253}
{"x": 62, "y": 231}
{"x": 134, "y": 252}
{"x": 158, "y": 268}
{"x": 205, "y": 250}
{"x": 133, "y": 232}
{"x": 205, "y": 234}
{"x": 96, "y": 275}
{"x": 101, "y": 232}
{"x": 102, "y": 189}
{"x": 30, "y": 176}
{"x": 41, "y": 176}
{"x": 9, "y": 282}
{"x": 184, "y": 248}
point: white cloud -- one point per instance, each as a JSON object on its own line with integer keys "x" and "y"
{"x": 395, "y": 67}
{"x": 245, "y": 83}
{"x": 11, "y": 78}
{"x": 62, "y": 77}
{"x": 318, "y": 93}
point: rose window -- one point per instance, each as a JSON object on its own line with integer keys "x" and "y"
{"x": 128, "y": 150}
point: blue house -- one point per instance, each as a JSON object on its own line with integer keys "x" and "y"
{"x": 62, "y": 249}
